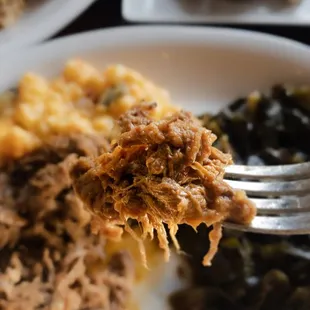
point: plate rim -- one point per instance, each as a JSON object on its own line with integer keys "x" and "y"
{"x": 153, "y": 34}
{"x": 70, "y": 12}
{"x": 165, "y": 31}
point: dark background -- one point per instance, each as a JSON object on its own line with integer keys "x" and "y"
{"x": 107, "y": 13}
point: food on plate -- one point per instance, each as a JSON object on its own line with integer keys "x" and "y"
{"x": 82, "y": 99}
{"x": 156, "y": 173}
{"x": 10, "y": 10}
{"x": 265, "y": 129}
{"x": 49, "y": 258}
{"x": 253, "y": 271}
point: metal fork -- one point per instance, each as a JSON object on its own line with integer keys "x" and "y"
{"x": 281, "y": 195}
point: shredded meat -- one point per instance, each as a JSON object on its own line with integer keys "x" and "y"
{"x": 49, "y": 259}
{"x": 157, "y": 173}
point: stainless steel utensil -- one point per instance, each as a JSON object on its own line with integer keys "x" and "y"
{"x": 281, "y": 195}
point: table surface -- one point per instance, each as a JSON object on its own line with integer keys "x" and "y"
{"x": 107, "y": 13}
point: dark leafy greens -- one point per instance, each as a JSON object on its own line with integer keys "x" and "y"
{"x": 262, "y": 129}
{"x": 252, "y": 271}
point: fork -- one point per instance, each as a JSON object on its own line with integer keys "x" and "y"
{"x": 281, "y": 195}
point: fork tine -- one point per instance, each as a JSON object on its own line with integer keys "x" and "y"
{"x": 264, "y": 189}
{"x": 278, "y": 225}
{"x": 282, "y": 205}
{"x": 295, "y": 171}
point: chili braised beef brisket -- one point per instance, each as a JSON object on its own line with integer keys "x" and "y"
{"x": 157, "y": 173}
{"x": 49, "y": 259}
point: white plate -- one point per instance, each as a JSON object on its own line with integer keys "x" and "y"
{"x": 40, "y": 21}
{"x": 204, "y": 69}
{"x": 218, "y": 11}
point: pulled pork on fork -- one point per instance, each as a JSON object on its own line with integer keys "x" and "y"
{"x": 164, "y": 172}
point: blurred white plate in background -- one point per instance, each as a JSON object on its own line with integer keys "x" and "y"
{"x": 281, "y": 12}
{"x": 41, "y": 19}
